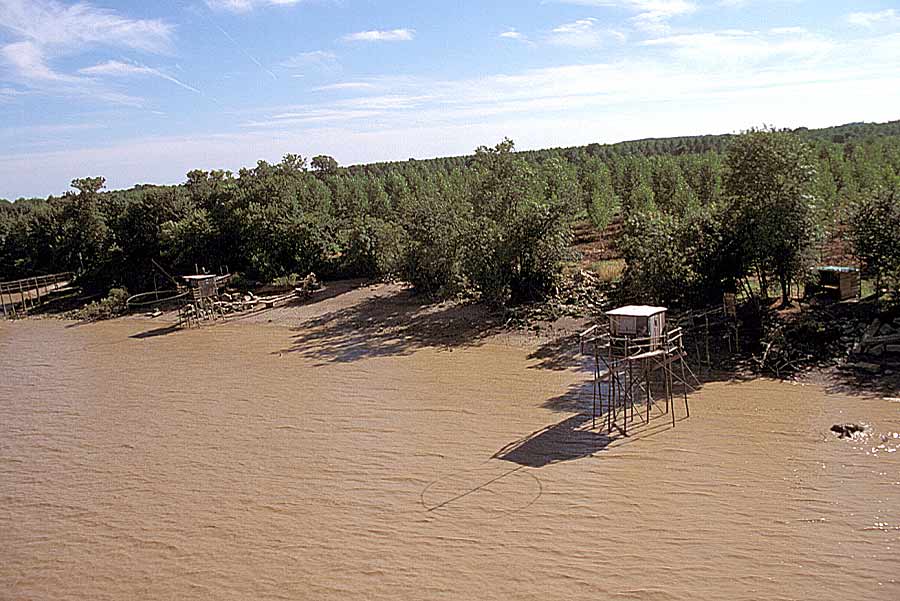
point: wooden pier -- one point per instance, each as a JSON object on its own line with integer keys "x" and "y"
{"x": 18, "y": 297}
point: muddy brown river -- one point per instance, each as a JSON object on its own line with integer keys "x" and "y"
{"x": 250, "y": 461}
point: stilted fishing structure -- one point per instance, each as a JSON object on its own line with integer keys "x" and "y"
{"x": 638, "y": 351}
{"x": 204, "y": 300}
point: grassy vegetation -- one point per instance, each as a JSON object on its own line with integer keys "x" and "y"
{"x": 610, "y": 270}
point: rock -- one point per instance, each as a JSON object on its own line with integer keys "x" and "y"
{"x": 871, "y": 368}
{"x": 847, "y": 430}
{"x": 872, "y": 330}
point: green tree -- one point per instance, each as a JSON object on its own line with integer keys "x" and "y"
{"x": 875, "y": 234}
{"x": 324, "y": 165}
{"x": 521, "y": 225}
{"x": 770, "y": 175}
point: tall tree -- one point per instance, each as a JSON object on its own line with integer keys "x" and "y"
{"x": 770, "y": 174}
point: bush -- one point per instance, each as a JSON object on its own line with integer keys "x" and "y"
{"x": 111, "y": 306}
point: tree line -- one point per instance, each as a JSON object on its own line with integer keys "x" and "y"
{"x": 498, "y": 224}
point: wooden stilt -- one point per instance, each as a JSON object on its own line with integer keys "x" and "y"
{"x": 22, "y": 296}
{"x": 647, "y": 379}
{"x": 40, "y": 298}
{"x": 706, "y": 332}
{"x": 669, "y": 398}
{"x": 595, "y": 390}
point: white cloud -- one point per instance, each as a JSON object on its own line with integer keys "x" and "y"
{"x": 744, "y": 47}
{"x": 378, "y": 35}
{"x": 316, "y": 59}
{"x": 46, "y": 30}
{"x": 583, "y": 33}
{"x": 7, "y": 94}
{"x": 707, "y": 68}
{"x": 788, "y": 31}
{"x": 28, "y": 60}
{"x": 63, "y": 29}
{"x": 512, "y": 34}
{"x": 120, "y": 69}
{"x": 871, "y": 19}
{"x": 243, "y": 6}
{"x": 652, "y": 15}
{"x": 346, "y": 86}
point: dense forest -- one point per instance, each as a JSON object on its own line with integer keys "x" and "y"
{"x": 701, "y": 215}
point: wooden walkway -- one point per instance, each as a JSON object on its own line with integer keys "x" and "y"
{"x": 19, "y": 296}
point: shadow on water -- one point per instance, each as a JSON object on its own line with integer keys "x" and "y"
{"x": 394, "y": 324}
{"x": 162, "y": 331}
{"x": 558, "y": 354}
{"x": 567, "y": 440}
{"x": 863, "y": 384}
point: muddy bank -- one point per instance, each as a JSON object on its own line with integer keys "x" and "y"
{"x": 317, "y": 458}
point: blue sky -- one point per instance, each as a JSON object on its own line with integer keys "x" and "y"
{"x": 142, "y": 92}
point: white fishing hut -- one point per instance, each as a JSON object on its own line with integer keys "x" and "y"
{"x": 639, "y": 322}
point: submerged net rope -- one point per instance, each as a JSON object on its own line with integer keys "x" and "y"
{"x": 134, "y": 302}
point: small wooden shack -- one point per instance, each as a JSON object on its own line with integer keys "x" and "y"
{"x": 202, "y": 286}
{"x": 841, "y": 283}
{"x": 639, "y": 321}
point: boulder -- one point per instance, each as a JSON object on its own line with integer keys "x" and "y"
{"x": 847, "y": 430}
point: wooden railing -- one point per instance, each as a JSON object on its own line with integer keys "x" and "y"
{"x": 18, "y": 296}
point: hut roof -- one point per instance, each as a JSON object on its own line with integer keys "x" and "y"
{"x": 637, "y": 311}
{"x": 198, "y": 278}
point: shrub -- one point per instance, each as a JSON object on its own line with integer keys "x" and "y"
{"x": 111, "y": 306}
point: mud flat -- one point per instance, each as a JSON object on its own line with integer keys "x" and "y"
{"x": 332, "y": 458}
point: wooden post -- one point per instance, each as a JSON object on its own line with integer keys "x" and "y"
{"x": 629, "y": 388}
{"x": 22, "y": 296}
{"x": 706, "y": 331}
{"x": 647, "y": 378}
{"x": 669, "y": 398}
{"x": 38, "y": 284}
{"x": 611, "y": 417}
{"x": 3, "y": 302}
{"x": 595, "y": 389}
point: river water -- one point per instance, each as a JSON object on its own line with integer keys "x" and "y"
{"x": 255, "y": 462}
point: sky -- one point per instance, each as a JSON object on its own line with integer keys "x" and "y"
{"x": 143, "y": 92}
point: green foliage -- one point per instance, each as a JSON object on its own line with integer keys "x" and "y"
{"x": 598, "y": 194}
{"x": 111, "y": 306}
{"x": 498, "y": 223}
{"x": 521, "y": 226}
{"x": 658, "y": 271}
{"x": 324, "y": 165}
{"x": 875, "y": 234}
{"x": 769, "y": 177}
{"x": 434, "y": 231}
